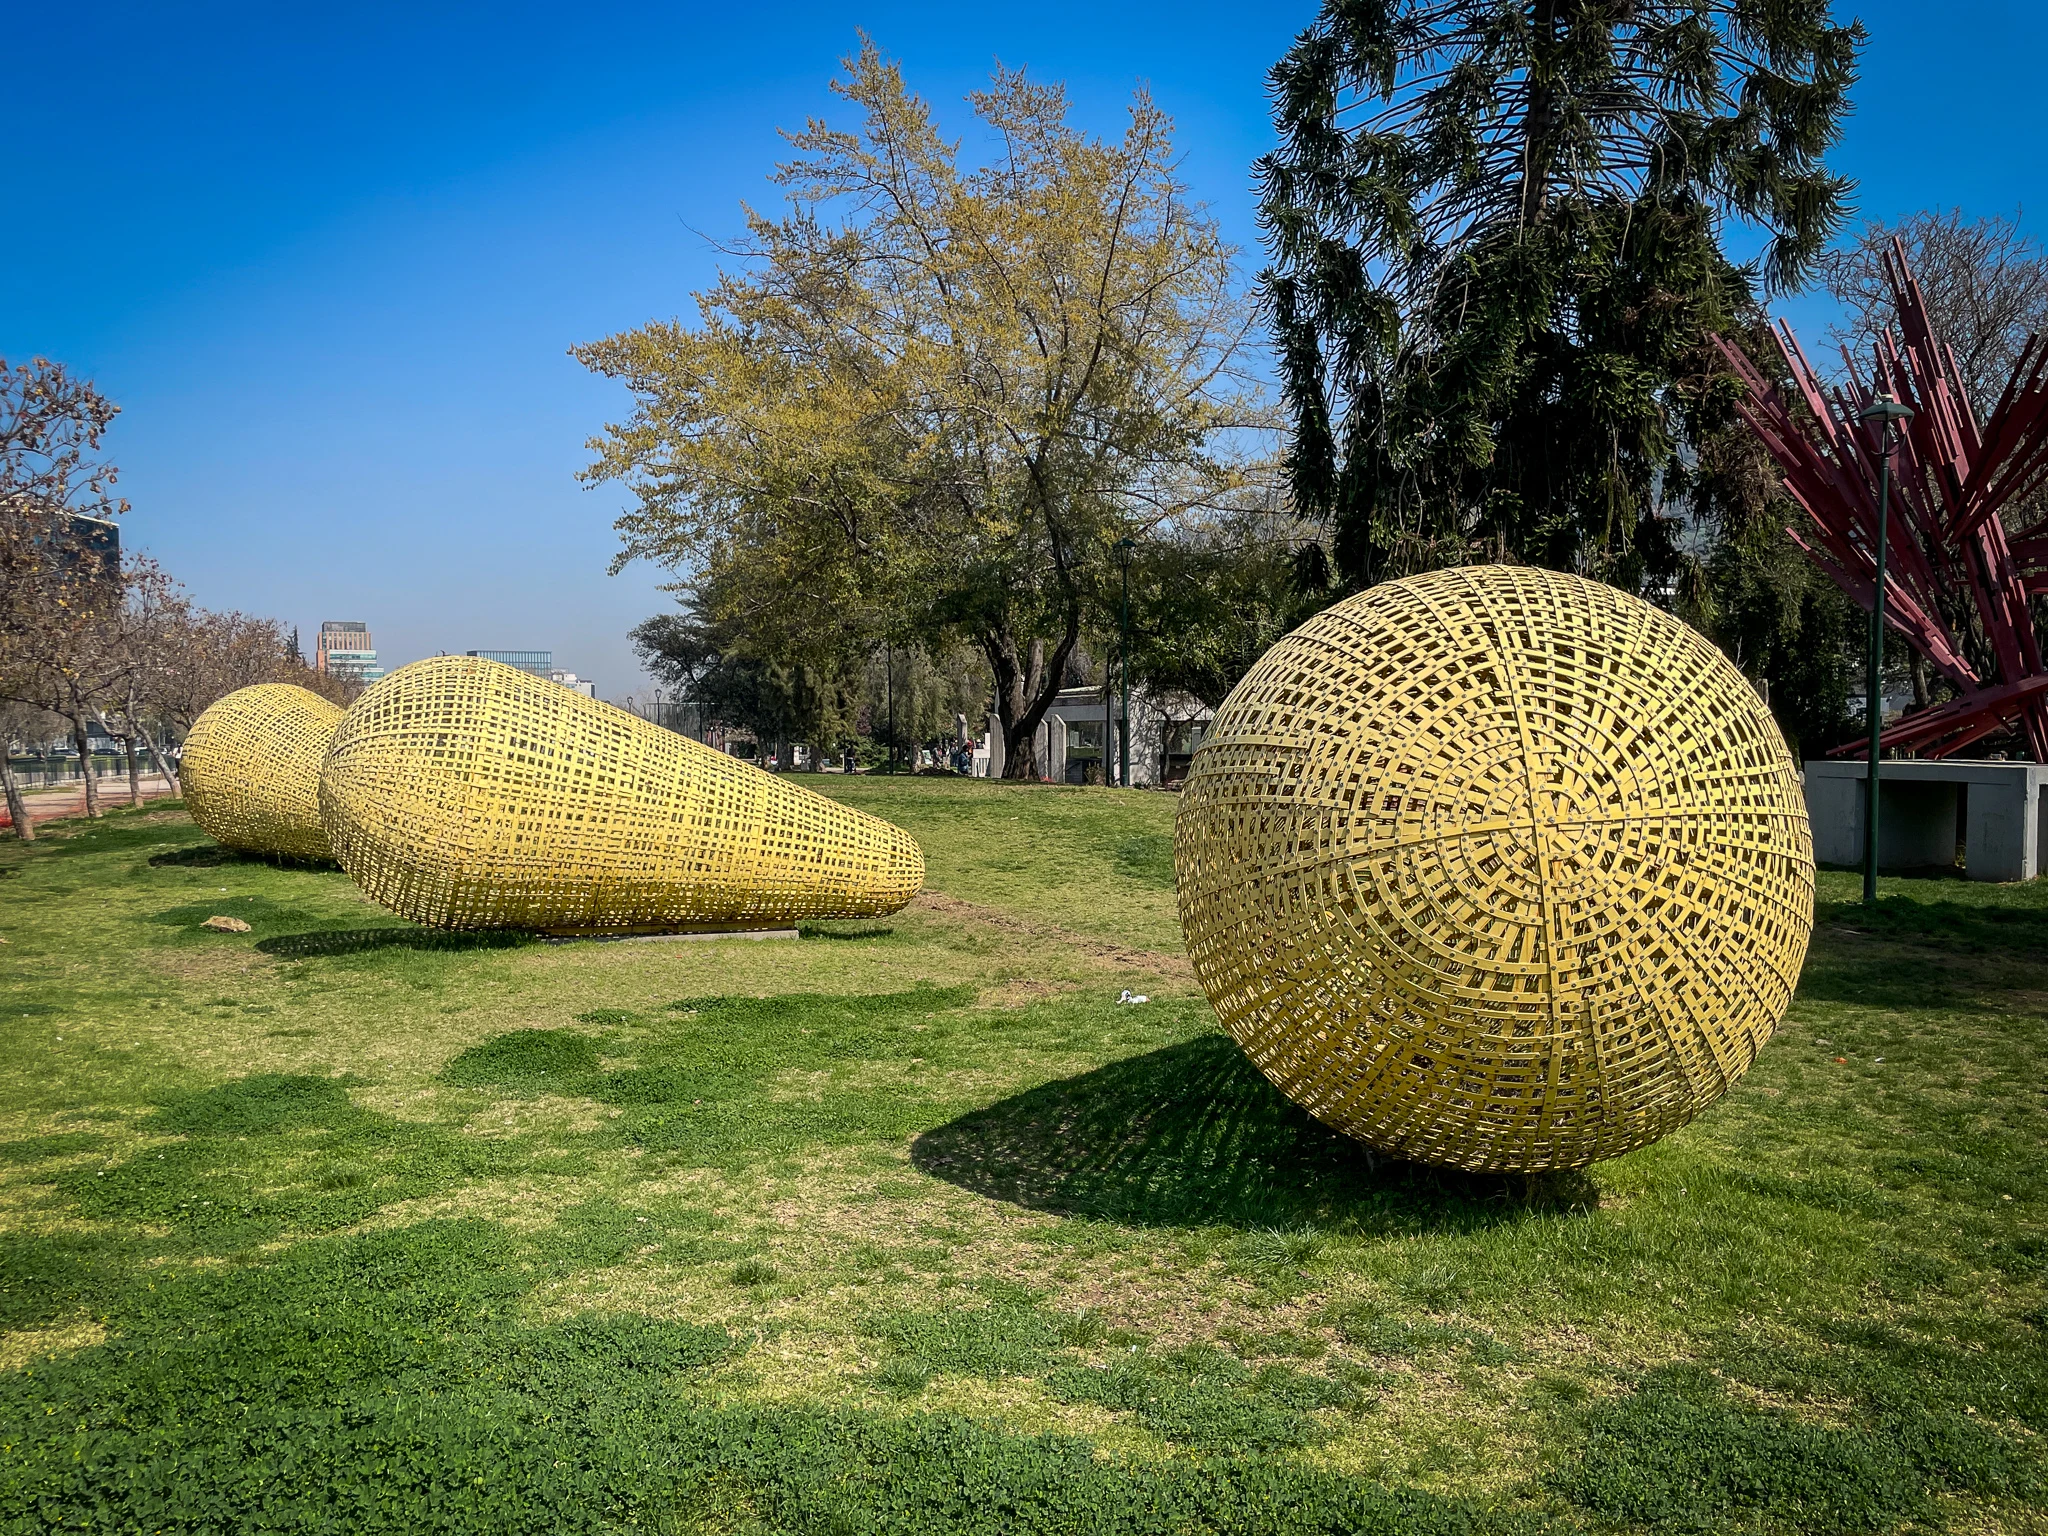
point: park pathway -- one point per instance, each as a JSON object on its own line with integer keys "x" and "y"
{"x": 67, "y": 800}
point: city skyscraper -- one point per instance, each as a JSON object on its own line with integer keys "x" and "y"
{"x": 347, "y": 650}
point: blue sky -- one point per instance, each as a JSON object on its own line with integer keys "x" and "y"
{"x": 329, "y": 260}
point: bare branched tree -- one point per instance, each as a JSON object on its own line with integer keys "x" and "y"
{"x": 23, "y": 722}
{"x": 71, "y": 662}
{"x": 138, "y": 639}
{"x": 1985, "y": 282}
{"x": 98, "y": 642}
{"x": 51, "y": 424}
{"x": 200, "y": 656}
{"x": 59, "y": 576}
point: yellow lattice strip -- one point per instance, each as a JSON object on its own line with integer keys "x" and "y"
{"x": 463, "y": 793}
{"x": 1496, "y": 868}
{"x": 251, "y": 769}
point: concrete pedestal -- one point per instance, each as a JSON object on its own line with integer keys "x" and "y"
{"x": 1997, "y": 812}
{"x": 998, "y": 747}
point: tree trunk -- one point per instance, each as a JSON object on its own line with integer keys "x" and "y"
{"x": 1026, "y": 685}
{"x": 163, "y": 763}
{"x": 82, "y": 739}
{"x": 23, "y": 827}
{"x": 134, "y": 771}
{"x": 1916, "y": 664}
{"x": 1017, "y": 683}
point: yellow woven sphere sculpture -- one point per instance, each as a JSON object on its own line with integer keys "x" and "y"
{"x": 464, "y": 793}
{"x": 251, "y": 769}
{"x": 1496, "y": 868}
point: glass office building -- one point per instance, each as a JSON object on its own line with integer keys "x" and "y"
{"x": 358, "y": 666}
{"x": 539, "y": 663}
{"x": 346, "y": 650}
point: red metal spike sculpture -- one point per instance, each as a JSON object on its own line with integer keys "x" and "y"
{"x": 1955, "y": 487}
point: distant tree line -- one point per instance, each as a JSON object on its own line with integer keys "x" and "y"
{"x": 90, "y": 641}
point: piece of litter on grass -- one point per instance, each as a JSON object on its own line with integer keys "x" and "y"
{"x": 1843, "y": 1059}
{"x": 1133, "y": 997}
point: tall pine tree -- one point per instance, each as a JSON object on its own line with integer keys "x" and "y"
{"x": 1496, "y": 230}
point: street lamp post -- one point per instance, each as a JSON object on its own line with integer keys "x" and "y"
{"x": 1124, "y": 550}
{"x": 1887, "y": 413}
{"x": 889, "y": 688}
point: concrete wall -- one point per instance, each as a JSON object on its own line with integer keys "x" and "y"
{"x": 1151, "y": 721}
{"x": 1999, "y": 812}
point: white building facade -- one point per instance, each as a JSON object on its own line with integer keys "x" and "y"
{"x": 1081, "y": 732}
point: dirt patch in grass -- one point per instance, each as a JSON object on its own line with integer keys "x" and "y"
{"x": 1156, "y": 962}
{"x": 520, "y": 1204}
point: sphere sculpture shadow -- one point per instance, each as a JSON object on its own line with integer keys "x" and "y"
{"x": 463, "y": 793}
{"x": 251, "y": 770}
{"x": 1496, "y": 868}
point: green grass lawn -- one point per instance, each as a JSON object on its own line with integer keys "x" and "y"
{"x": 339, "y": 1225}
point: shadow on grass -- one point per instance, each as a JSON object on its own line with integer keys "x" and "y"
{"x": 358, "y": 941}
{"x": 816, "y": 931}
{"x": 1965, "y": 926}
{"x": 1194, "y": 1135}
{"x": 122, "y": 829}
{"x": 215, "y": 856}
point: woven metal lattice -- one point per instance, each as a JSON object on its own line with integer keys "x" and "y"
{"x": 251, "y": 769}
{"x": 464, "y": 793}
{"x": 1496, "y": 868}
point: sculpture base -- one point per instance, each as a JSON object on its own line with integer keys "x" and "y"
{"x": 669, "y": 935}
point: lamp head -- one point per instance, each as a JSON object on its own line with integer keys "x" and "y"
{"x": 1884, "y": 410}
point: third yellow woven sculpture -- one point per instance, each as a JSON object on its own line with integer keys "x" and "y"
{"x": 1496, "y": 868}
{"x": 464, "y": 793}
{"x": 251, "y": 769}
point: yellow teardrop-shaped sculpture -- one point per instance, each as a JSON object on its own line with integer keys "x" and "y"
{"x": 464, "y": 793}
{"x": 251, "y": 769}
{"x": 1497, "y": 868}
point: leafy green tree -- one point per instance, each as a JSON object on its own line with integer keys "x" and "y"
{"x": 813, "y": 698}
{"x": 1497, "y": 239}
{"x": 916, "y": 693}
{"x": 1209, "y": 600}
{"x": 936, "y": 396}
